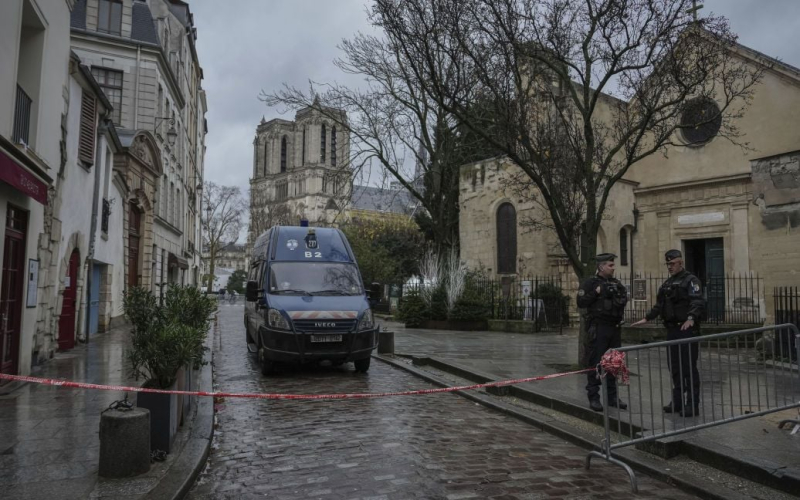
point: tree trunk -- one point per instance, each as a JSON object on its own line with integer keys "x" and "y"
{"x": 211, "y": 269}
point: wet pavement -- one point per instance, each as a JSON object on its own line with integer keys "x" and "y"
{"x": 724, "y": 378}
{"x": 49, "y": 436}
{"x": 435, "y": 446}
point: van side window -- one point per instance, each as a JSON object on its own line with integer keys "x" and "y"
{"x": 260, "y": 276}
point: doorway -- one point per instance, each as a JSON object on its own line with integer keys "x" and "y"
{"x": 94, "y": 299}
{"x": 11, "y": 296}
{"x": 705, "y": 259}
{"x": 134, "y": 235}
{"x": 66, "y": 323}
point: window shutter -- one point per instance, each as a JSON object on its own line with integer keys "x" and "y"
{"x": 87, "y": 132}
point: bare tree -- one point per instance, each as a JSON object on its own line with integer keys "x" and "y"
{"x": 395, "y": 122}
{"x": 222, "y": 219}
{"x": 582, "y": 89}
{"x": 266, "y": 215}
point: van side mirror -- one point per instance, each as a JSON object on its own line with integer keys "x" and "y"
{"x": 251, "y": 292}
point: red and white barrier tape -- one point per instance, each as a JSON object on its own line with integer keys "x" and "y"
{"x": 81, "y": 385}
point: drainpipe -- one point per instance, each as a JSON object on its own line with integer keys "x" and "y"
{"x": 101, "y": 130}
{"x": 136, "y": 89}
{"x": 634, "y": 231}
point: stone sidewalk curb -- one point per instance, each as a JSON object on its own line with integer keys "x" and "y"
{"x": 701, "y": 450}
{"x": 575, "y": 436}
{"x": 181, "y": 476}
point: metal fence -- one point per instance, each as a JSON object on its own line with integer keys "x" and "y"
{"x": 542, "y": 300}
{"x": 730, "y": 299}
{"x": 740, "y": 375}
{"x": 786, "y": 306}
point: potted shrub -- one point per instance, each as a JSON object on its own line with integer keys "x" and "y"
{"x": 164, "y": 341}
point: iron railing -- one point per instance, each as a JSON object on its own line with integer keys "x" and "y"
{"x": 786, "y": 306}
{"x": 22, "y": 117}
{"x": 730, "y": 299}
{"x": 106, "y": 215}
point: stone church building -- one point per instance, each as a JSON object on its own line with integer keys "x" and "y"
{"x": 300, "y": 170}
{"x": 733, "y": 212}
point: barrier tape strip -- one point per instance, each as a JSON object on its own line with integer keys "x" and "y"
{"x": 81, "y": 385}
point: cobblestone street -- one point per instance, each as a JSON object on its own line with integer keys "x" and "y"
{"x": 437, "y": 446}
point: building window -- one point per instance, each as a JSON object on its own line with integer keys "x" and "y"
{"x": 506, "y": 239}
{"x": 281, "y": 190}
{"x": 283, "y": 154}
{"x": 87, "y": 130}
{"x": 109, "y": 17}
{"x": 111, "y": 82}
{"x": 623, "y": 247}
{"x": 333, "y": 146}
{"x": 303, "y": 161}
{"x": 322, "y": 144}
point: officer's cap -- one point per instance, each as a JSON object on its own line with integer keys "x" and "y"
{"x": 605, "y": 257}
{"x": 672, "y": 254}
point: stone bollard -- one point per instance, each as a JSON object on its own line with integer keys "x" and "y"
{"x": 124, "y": 443}
{"x": 385, "y": 342}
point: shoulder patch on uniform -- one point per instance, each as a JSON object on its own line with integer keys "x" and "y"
{"x": 581, "y": 293}
{"x": 696, "y": 286}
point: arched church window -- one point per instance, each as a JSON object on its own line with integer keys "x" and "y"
{"x": 506, "y": 239}
{"x": 623, "y": 247}
{"x": 333, "y": 146}
{"x": 303, "y": 161}
{"x": 322, "y": 144}
{"x": 283, "y": 154}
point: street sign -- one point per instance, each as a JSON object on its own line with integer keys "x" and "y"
{"x": 526, "y": 288}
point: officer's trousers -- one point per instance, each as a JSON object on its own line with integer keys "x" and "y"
{"x": 602, "y": 337}
{"x": 682, "y": 360}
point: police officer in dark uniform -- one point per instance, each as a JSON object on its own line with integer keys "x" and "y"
{"x": 604, "y": 299}
{"x": 681, "y": 305}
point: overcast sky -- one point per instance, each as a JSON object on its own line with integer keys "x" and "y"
{"x": 249, "y": 45}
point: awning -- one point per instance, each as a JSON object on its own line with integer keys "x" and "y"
{"x": 25, "y": 182}
{"x": 175, "y": 261}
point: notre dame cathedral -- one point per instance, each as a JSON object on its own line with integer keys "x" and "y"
{"x": 300, "y": 170}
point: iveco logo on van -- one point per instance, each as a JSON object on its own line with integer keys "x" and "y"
{"x": 325, "y": 325}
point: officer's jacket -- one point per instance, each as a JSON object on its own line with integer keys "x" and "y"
{"x": 609, "y": 304}
{"x": 680, "y": 298}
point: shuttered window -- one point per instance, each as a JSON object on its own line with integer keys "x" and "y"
{"x": 322, "y": 140}
{"x": 506, "y": 239}
{"x": 87, "y": 131}
{"x": 283, "y": 154}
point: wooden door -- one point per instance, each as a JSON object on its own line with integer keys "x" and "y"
{"x": 715, "y": 282}
{"x": 11, "y": 294}
{"x": 134, "y": 236}
{"x": 66, "y": 323}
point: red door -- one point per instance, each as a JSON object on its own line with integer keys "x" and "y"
{"x": 134, "y": 223}
{"x": 11, "y": 294}
{"x": 66, "y": 323}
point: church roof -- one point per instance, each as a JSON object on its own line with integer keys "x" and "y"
{"x": 378, "y": 199}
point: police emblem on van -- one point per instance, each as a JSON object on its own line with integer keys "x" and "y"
{"x": 291, "y": 244}
{"x": 325, "y": 325}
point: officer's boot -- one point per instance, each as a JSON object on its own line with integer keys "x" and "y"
{"x": 692, "y": 407}
{"x": 595, "y": 405}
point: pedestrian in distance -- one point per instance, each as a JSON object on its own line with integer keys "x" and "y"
{"x": 681, "y": 306}
{"x": 604, "y": 298}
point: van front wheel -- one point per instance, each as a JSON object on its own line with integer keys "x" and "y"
{"x": 267, "y": 366}
{"x": 362, "y": 365}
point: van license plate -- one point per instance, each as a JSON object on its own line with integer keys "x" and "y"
{"x": 326, "y": 338}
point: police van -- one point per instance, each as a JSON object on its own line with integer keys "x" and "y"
{"x": 306, "y": 300}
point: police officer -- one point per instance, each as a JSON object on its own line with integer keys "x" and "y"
{"x": 604, "y": 298}
{"x": 681, "y": 305}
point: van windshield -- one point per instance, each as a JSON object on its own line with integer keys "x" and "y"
{"x": 314, "y": 278}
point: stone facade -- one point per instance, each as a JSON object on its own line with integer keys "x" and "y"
{"x": 731, "y": 210}
{"x": 302, "y": 165}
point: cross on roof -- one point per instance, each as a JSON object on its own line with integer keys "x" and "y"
{"x": 694, "y": 9}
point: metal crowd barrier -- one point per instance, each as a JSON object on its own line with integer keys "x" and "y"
{"x": 738, "y": 379}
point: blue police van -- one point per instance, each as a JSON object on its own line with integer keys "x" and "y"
{"x": 306, "y": 301}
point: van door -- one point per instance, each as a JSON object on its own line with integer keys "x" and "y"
{"x": 259, "y": 310}
{"x": 250, "y": 308}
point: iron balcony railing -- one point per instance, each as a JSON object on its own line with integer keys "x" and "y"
{"x": 106, "y": 215}
{"x": 22, "y": 117}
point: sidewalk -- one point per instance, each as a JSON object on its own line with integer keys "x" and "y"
{"x": 754, "y": 442}
{"x": 49, "y": 436}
